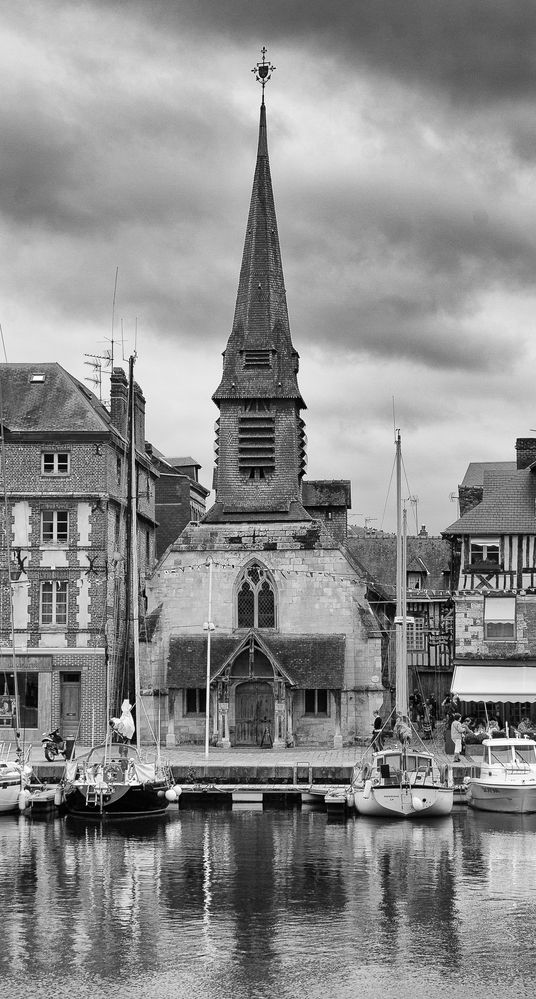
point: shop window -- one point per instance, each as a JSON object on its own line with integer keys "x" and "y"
{"x": 499, "y": 617}
{"x": 53, "y": 603}
{"x": 27, "y": 688}
{"x": 54, "y": 527}
{"x": 55, "y": 463}
{"x": 316, "y": 701}
{"x": 256, "y": 598}
{"x": 196, "y": 701}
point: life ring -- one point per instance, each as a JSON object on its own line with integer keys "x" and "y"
{"x": 111, "y": 772}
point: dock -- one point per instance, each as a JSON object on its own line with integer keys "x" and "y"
{"x": 262, "y": 778}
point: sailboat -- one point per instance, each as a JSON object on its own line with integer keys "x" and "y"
{"x": 113, "y": 780}
{"x": 404, "y": 781}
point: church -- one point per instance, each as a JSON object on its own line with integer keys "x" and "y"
{"x": 262, "y": 597}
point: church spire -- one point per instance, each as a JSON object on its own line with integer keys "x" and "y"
{"x": 260, "y": 360}
{"x": 260, "y": 437}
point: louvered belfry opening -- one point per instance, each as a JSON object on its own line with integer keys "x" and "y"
{"x": 256, "y": 440}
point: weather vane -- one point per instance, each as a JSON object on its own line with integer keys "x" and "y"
{"x": 263, "y": 71}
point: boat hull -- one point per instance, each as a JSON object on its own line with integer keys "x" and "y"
{"x": 9, "y": 796}
{"x": 501, "y": 797}
{"x": 119, "y": 801}
{"x": 402, "y": 802}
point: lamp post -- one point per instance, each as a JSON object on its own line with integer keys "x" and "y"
{"x": 208, "y": 627}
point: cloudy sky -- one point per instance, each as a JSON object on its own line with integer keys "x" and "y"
{"x": 402, "y": 138}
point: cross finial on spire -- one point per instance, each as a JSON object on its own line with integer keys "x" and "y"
{"x": 263, "y": 70}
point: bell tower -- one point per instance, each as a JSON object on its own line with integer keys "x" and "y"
{"x": 260, "y": 438}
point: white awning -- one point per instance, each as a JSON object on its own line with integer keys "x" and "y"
{"x": 499, "y": 682}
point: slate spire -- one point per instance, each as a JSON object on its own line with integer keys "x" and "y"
{"x": 260, "y": 360}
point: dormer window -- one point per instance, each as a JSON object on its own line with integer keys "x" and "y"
{"x": 416, "y": 580}
{"x": 257, "y": 359}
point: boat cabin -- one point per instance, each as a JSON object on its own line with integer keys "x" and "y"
{"x": 393, "y": 763}
{"x": 509, "y": 753}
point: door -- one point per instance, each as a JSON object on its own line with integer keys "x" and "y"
{"x": 70, "y": 705}
{"x": 254, "y": 714}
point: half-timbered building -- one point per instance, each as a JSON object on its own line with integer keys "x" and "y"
{"x": 494, "y": 581}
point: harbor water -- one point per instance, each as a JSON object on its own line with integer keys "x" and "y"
{"x": 276, "y": 903}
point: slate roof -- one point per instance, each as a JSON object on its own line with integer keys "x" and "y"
{"x": 474, "y": 475}
{"x": 261, "y": 317}
{"x": 507, "y": 507}
{"x": 59, "y": 404}
{"x": 314, "y": 661}
{"x": 377, "y": 555}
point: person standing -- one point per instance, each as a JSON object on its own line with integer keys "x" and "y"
{"x": 456, "y": 734}
{"x": 377, "y": 736}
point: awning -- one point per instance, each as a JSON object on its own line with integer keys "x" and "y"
{"x": 499, "y": 682}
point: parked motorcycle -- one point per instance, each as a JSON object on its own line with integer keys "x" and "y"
{"x": 53, "y": 745}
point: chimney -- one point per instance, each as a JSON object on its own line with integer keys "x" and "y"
{"x": 139, "y": 417}
{"x": 526, "y": 451}
{"x": 119, "y": 400}
{"x": 423, "y": 533}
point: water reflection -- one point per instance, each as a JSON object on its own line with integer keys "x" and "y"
{"x": 266, "y": 903}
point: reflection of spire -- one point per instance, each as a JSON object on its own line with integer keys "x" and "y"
{"x": 263, "y": 71}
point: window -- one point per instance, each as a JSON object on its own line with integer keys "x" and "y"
{"x": 54, "y": 603}
{"x": 415, "y": 580}
{"x": 316, "y": 702}
{"x": 499, "y": 617}
{"x": 55, "y": 463}
{"x": 118, "y": 470}
{"x": 256, "y": 599}
{"x": 27, "y": 689}
{"x": 415, "y": 637}
{"x": 196, "y": 701}
{"x": 485, "y": 550}
{"x": 54, "y": 527}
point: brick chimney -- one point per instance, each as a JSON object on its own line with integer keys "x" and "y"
{"x": 526, "y": 451}
{"x": 139, "y": 417}
{"x": 119, "y": 400}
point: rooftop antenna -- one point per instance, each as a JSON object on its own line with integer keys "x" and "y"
{"x": 263, "y": 71}
{"x": 368, "y": 520}
{"x": 414, "y": 500}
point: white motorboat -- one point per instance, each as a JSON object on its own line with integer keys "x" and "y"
{"x": 506, "y": 781}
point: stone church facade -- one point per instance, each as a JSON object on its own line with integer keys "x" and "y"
{"x": 262, "y": 594}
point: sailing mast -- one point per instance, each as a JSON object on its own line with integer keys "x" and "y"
{"x": 133, "y": 545}
{"x": 401, "y": 702}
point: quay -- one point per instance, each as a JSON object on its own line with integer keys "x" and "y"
{"x": 261, "y": 777}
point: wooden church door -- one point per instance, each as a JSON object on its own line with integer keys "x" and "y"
{"x": 254, "y": 714}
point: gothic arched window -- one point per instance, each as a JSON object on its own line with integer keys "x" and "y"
{"x": 255, "y": 598}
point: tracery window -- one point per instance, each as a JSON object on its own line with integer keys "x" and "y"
{"x": 256, "y": 598}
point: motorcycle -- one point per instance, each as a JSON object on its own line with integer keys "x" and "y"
{"x": 53, "y": 745}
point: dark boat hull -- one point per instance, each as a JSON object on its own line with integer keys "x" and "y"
{"x": 120, "y": 801}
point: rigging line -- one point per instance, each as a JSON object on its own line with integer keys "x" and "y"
{"x": 3, "y": 343}
{"x": 388, "y": 492}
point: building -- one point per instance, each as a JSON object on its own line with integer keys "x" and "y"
{"x": 180, "y": 497}
{"x": 494, "y": 579}
{"x": 295, "y": 654}
{"x": 63, "y": 556}
{"x": 429, "y": 606}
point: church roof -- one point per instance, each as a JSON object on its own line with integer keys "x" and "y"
{"x": 260, "y": 360}
{"x": 313, "y": 661}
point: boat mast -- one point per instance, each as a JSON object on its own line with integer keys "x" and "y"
{"x": 401, "y": 702}
{"x": 7, "y": 514}
{"x": 133, "y": 542}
